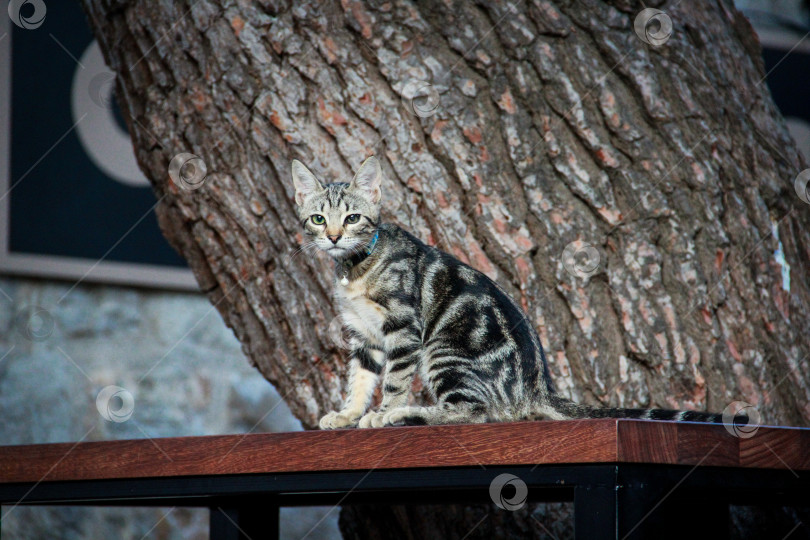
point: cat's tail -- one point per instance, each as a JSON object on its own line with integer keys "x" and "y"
{"x": 560, "y": 408}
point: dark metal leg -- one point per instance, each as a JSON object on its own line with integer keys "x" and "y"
{"x": 244, "y": 522}
{"x": 650, "y": 504}
{"x": 595, "y": 512}
{"x": 705, "y": 518}
{"x": 642, "y": 511}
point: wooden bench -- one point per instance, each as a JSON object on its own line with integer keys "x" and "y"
{"x": 626, "y": 478}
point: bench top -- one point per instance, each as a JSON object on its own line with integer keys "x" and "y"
{"x": 520, "y": 443}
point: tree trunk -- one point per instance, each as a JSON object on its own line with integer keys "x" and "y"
{"x": 637, "y": 198}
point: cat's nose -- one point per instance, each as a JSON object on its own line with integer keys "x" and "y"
{"x": 334, "y": 237}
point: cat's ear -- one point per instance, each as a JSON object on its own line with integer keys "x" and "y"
{"x": 367, "y": 180}
{"x": 305, "y": 182}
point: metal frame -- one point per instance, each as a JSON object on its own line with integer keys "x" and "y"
{"x": 52, "y": 266}
{"x": 628, "y": 501}
{"x": 782, "y": 39}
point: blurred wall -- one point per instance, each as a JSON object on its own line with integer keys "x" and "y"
{"x": 171, "y": 352}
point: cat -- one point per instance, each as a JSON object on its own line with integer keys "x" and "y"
{"x": 410, "y": 307}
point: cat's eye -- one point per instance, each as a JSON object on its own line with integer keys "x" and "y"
{"x": 317, "y": 219}
{"x": 352, "y": 219}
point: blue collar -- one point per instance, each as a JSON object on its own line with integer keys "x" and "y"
{"x": 356, "y": 258}
{"x": 371, "y": 245}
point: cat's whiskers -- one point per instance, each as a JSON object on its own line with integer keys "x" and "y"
{"x": 355, "y": 249}
{"x": 307, "y": 246}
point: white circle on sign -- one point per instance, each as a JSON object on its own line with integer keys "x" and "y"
{"x": 107, "y": 145}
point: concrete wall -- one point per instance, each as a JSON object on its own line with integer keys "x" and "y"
{"x": 170, "y": 352}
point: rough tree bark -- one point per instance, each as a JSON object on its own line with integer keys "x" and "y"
{"x": 549, "y": 128}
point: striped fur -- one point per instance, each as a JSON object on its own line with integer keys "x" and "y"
{"x": 411, "y": 308}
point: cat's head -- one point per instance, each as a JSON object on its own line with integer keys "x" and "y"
{"x": 339, "y": 218}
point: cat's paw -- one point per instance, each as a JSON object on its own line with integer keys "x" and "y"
{"x": 398, "y": 416}
{"x": 335, "y": 420}
{"x": 372, "y": 419}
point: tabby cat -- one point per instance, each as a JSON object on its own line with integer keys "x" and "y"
{"x": 409, "y": 306}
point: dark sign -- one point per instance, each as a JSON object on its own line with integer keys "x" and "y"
{"x": 74, "y": 203}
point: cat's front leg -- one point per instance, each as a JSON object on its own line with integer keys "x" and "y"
{"x": 363, "y": 375}
{"x": 404, "y": 351}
